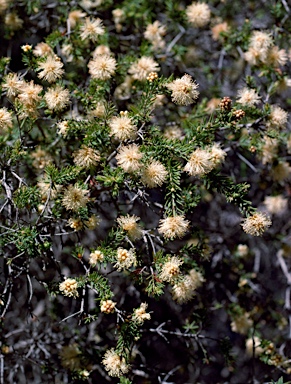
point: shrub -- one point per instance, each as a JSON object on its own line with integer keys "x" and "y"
{"x": 145, "y": 169}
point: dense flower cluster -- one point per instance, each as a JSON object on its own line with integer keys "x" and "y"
{"x": 154, "y": 174}
{"x": 198, "y": 14}
{"x": 140, "y": 69}
{"x": 184, "y": 90}
{"x": 75, "y": 198}
{"x": 129, "y": 157}
{"x": 102, "y": 67}
{"x": 172, "y": 227}
{"x": 114, "y": 364}
{"x": 95, "y": 257}
{"x": 140, "y": 314}
{"x": 107, "y": 306}
{"x": 129, "y": 225}
{"x": 256, "y": 224}
{"x": 117, "y": 167}
{"x": 125, "y": 259}
{"x": 171, "y": 269}
{"x": 184, "y": 290}
{"x": 200, "y": 163}
{"x": 69, "y": 287}
{"x": 122, "y": 127}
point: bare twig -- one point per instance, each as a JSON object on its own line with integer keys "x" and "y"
{"x": 176, "y": 39}
{"x": 247, "y": 162}
{"x": 72, "y": 315}
{"x": 1, "y": 368}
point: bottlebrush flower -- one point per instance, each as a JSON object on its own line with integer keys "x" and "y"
{"x": 75, "y": 198}
{"x": 184, "y": 90}
{"x": 198, "y": 14}
{"x": 256, "y": 224}
{"x": 69, "y": 287}
{"x": 128, "y": 158}
{"x": 175, "y": 226}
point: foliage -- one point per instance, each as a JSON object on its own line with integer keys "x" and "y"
{"x": 145, "y": 172}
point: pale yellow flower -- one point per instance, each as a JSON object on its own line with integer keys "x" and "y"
{"x": 276, "y": 57}
{"x": 184, "y": 90}
{"x": 3, "y": 5}
{"x": 154, "y": 174}
{"x": 196, "y": 278}
{"x": 102, "y": 67}
{"x": 86, "y": 157}
{"x": 125, "y": 259}
{"x": 171, "y": 270}
{"x": 129, "y": 224}
{"x": 5, "y": 119}
{"x": 29, "y": 94}
{"x": 51, "y": 69}
{"x": 95, "y": 257}
{"x": 88, "y": 4}
{"x": 183, "y": 291}
{"x": 98, "y": 111}
{"x": 78, "y": 224}
{"x": 128, "y": 158}
{"x": 67, "y": 52}
{"x": 261, "y": 42}
{"x": 269, "y": 149}
{"x": 173, "y": 132}
{"x": 252, "y": 56}
{"x": 122, "y": 128}
{"x": 13, "y": 21}
{"x": 281, "y": 172}
{"x": 142, "y": 68}
{"x": 154, "y": 34}
{"x": 198, "y": 14}
{"x": 57, "y": 98}
{"x": 74, "y": 17}
{"x": 92, "y": 29}
{"x": 254, "y": 344}
{"x": 12, "y": 84}
{"x": 92, "y": 222}
{"x": 200, "y": 163}
{"x": 276, "y": 205}
{"x": 101, "y": 50}
{"x": 75, "y": 223}
{"x": 242, "y": 250}
{"x": 277, "y": 118}
{"x": 256, "y": 224}
{"x": 241, "y": 324}
{"x": 118, "y": 17}
{"x": 218, "y": 29}
{"x": 41, "y": 158}
{"x": 217, "y": 154}
{"x": 75, "y": 198}
{"x": 248, "y": 97}
{"x": 26, "y": 47}
{"x": 140, "y": 314}
{"x": 212, "y": 105}
{"x": 69, "y": 288}
{"x": 154, "y": 31}
{"x": 107, "y": 306}
{"x": 175, "y": 226}
{"x": 42, "y": 49}
{"x": 63, "y": 127}
{"x": 45, "y": 188}
{"x": 114, "y": 364}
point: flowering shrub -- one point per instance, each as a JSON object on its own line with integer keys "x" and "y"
{"x": 145, "y": 170}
